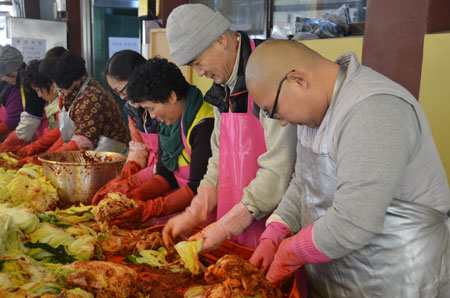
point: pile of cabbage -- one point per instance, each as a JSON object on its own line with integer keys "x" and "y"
{"x": 27, "y": 187}
{"x": 33, "y": 246}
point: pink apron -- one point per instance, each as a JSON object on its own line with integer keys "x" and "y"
{"x": 241, "y": 143}
{"x": 151, "y": 141}
{"x": 182, "y": 172}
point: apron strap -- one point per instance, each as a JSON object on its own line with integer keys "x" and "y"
{"x": 184, "y": 138}
{"x": 83, "y": 87}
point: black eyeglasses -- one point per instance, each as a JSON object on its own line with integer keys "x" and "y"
{"x": 271, "y": 114}
{"x": 121, "y": 92}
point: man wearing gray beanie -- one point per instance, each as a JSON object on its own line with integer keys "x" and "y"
{"x": 248, "y": 181}
{"x": 22, "y": 124}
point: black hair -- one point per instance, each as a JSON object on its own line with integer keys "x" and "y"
{"x": 32, "y": 77}
{"x": 48, "y": 63}
{"x": 122, "y": 63}
{"x": 155, "y": 80}
{"x": 67, "y": 69}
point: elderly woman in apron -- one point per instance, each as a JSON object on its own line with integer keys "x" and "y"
{"x": 369, "y": 195}
{"x": 90, "y": 118}
{"x": 186, "y": 123}
{"x": 142, "y": 156}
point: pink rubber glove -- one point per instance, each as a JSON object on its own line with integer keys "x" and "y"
{"x": 268, "y": 244}
{"x": 181, "y": 226}
{"x": 293, "y": 253}
{"x": 233, "y": 223}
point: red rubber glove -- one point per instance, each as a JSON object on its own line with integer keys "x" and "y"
{"x": 12, "y": 143}
{"x": 4, "y": 129}
{"x": 130, "y": 168}
{"x": 70, "y": 146}
{"x": 134, "y": 218}
{"x": 155, "y": 185}
{"x": 182, "y": 225}
{"x": 29, "y": 159}
{"x": 150, "y": 189}
{"x": 293, "y": 253}
{"x": 58, "y": 144}
{"x": 41, "y": 144}
{"x": 268, "y": 244}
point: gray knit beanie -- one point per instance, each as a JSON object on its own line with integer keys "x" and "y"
{"x": 191, "y": 29}
{"x": 10, "y": 60}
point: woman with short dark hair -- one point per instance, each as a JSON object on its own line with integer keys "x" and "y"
{"x": 90, "y": 118}
{"x": 186, "y": 123}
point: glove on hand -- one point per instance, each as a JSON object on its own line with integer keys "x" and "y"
{"x": 131, "y": 187}
{"x": 130, "y": 168}
{"x": 4, "y": 129}
{"x": 136, "y": 217}
{"x": 70, "y": 146}
{"x": 268, "y": 244}
{"x": 150, "y": 189}
{"x": 293, "y": 253}
{"x": 41, "y": 144}
{"x": 12, "y": 143}
{"x": 29, "y": 159}
{"x": 138, "y": 153}
{"x": 231, "y": 224}
{"x": 182, "y": 225}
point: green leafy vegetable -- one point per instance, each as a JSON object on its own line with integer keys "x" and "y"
{"x": 59, "y": 253}
{"x": 188, "y": 252}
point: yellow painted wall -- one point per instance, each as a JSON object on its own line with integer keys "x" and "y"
{"x": 434, "y": 94}
{"x": 330, "y": 48}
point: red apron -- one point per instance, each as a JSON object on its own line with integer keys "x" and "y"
{"x": 241, "y": 143}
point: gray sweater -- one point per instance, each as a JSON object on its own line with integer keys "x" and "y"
{"x": 381, "y": 133}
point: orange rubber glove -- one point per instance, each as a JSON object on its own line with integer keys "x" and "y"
{"x": 153, "y": 188}
{"x": 134, "y": 218}
{"x": 70, "y": 146}
{"x": 181, "y": 226}
{"x": 12, "y": 143}
{"x": 4, "y": 129}
{"x": 41, "y": 144}
{"x": 274, "y": 233}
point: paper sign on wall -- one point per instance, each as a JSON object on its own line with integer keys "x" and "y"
{"x": 30, "y": 48}
{"x": 123, "y": 43}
